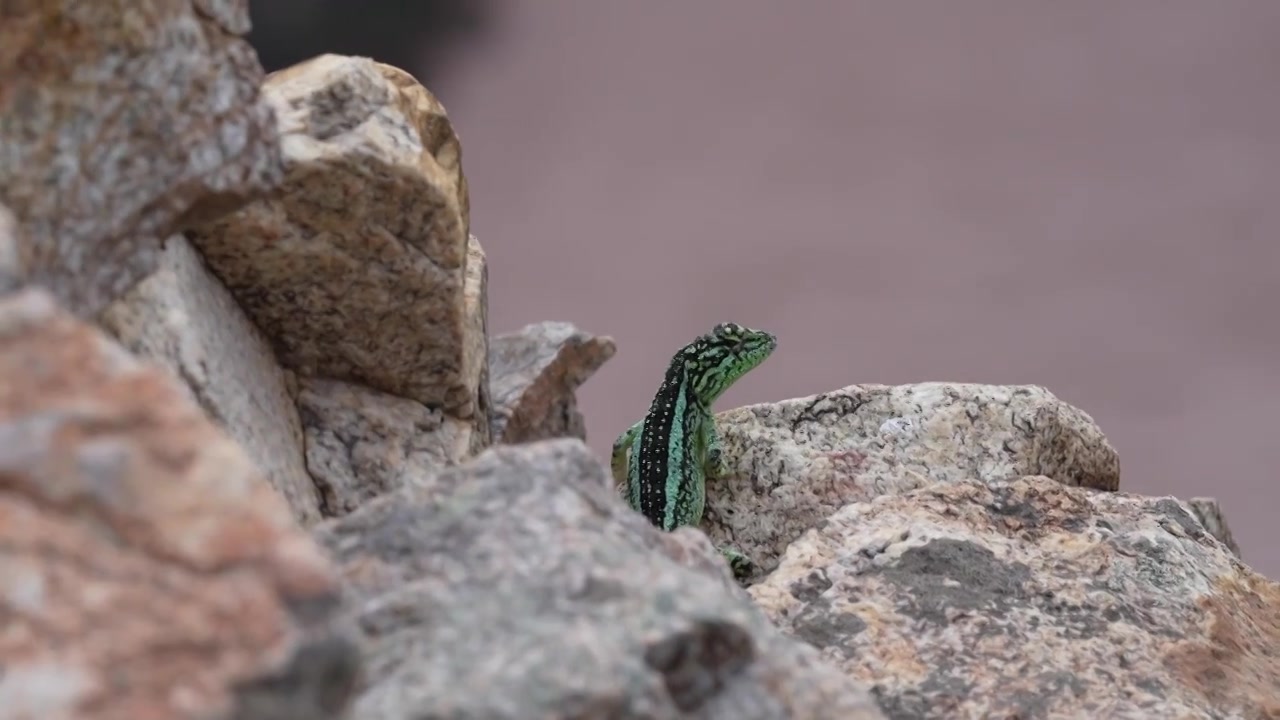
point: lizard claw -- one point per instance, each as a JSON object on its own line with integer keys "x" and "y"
{"x": 741, "y": 565}
{"x": 717, "y": 466}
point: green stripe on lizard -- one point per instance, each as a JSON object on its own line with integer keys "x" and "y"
{"x": 662, "y": 462}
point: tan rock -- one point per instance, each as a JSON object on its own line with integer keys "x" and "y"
{"x": 1030, "y": 598}
{"x": 125, "y": 122}
{"x": 535, "y": 373}
{"x": 475, "y": 336}
{"x": 356, "y": 270}
{"x": 149, "y": 570}
{"x": 796, "y": 462}
{"x": 182, "y": 317}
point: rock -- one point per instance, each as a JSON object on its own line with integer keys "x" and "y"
{"x": 357, "y": 268}
{"x": 124, "y": 123}
{"x": 475, "y": 336}
{"x": 796, "y": 462}
{"x": 182, "y": 317}
{"x": 519, "y": 586}
{"x": 1031, "y": 598}
{"x": 149, "y": 570}
{"x": 535, "y": 373}
{"x": 362, "y": 443}
{"x": 1209, "y": 513}
{"x": 12, "y": 272}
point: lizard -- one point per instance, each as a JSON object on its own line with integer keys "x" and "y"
{"x": 661, "y": 463}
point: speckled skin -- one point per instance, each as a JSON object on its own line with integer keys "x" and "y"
{"x": 663, "y": 461}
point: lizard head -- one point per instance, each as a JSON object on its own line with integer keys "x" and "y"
{"x": 716, "y": 360}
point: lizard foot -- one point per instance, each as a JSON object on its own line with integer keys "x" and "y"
{"x": 716, "y": 467}
{"x": 741, "y": 565}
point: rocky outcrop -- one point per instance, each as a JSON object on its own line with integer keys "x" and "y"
{"x": 266, "y": 484}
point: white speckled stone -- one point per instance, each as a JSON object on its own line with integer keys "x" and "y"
{"x": 796, "y": 462}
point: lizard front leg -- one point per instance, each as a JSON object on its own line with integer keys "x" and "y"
{"x": 717, "y": 465}
{"x": 620, "y": 460}
{"x": 741, "y": 565}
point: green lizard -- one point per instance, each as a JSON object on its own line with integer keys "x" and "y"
{"x": 662, "y": 462}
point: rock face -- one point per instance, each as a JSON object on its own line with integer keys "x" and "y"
{"x": 125, "y": 121}
{"x": 517, "y": 587}
{"x": 303, "y": 344}
{"x": 149, "y": 570}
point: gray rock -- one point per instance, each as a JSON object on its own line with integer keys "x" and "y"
{"x": 1210, "y": 514}
{"x": 519, "y": 586}
{"x": 182, "y": 317}
{"x": 362, "y": 444}
{"x": 534, "y": 373}
{"x": 124, "y": 123}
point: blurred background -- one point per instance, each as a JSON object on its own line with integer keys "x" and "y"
{"x": 1080, "y": 195}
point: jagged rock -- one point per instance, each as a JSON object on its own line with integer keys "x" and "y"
{"x": 150, "y": 571}
{"x": 125, "y": 122}
{"x": 795, "y": 462}
{"x": 519, "y": 586}
{"x": 1030, "y": 598}
{"x": 535, "y": 372}
{"x": 1209, "y": 513}
{"x": 356, "y": 269}
{"x": 184, "y": 318}
{"x": 362, "y": 443}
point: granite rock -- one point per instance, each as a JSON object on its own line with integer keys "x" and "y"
{"x": 796, "y": 462}
{"x": 125, "y": 122}
{"x": 1032, "y": 598}
{"x": 357, "y": 268}
{"x": 517, "y": 585}
{"x": 183, "y": 318}
{"x": 148, "y": 569}
{"x": 535, "y": 372}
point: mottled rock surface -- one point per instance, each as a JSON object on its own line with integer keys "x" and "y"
{"x": 519, "y": 586}
{"x": 356, "y": 269}
{"x": 795, "y": 462}
{"x": 535, "y": 372}
{"x": 1209, "y": 513}
{"x": 182, "y": 317}
{"x": 1030, "y": 598}
{"x": 147, "y": 569}
{"x": 125, "y": 122}
{"x": 362, "y": 443}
